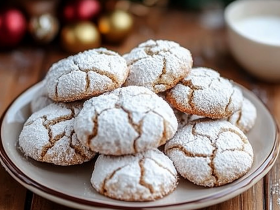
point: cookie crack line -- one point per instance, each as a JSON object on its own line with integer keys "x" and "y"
{"x": 223, "y": 130}
{"x": 240, "y": 116}
{"x": 212, "y": 165}
{"x": 149, "y": 51}
{"x": 87, "y": 82}
{"x": 186, "y": 152}
{"x": 57, "y": 82}
{"x": 136, "y": 127}
{"x": 212, "y": 81}
{"x": 142, "y": 175}
{"x": 188, "y": 58}
{"x": 95, "y": 70}
{"x": 94, "y": 129}
{"x": 29, "y": 123}
{"x": 190, "y": 100}
{"x": 229, "y": 101}
{"x": 118, "y": 105}
{"x": 194, "y": 131}
{"x": 189, "y": 84}
{"x": 159, "y": 81}
{"x": 51, "y": 144}
{"x": 47, "y": 124}
{"x": 103, "y": 73}
{"x": 135, "y": 61}
{"x": 214, "y": 154}
{"x": 105, "y": 53}
{"x": 193, "y": 88}
{"x": 244, "y": 140}
{"x": 234, "y": 150}
{"x": 103, "y": 189}
{"x": 162, "y": 166}
{"x": 164, "y": 132}
{"x": 94, "y": 119}
{"x": 78, "y": 151}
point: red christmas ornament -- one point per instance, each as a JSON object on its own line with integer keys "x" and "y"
{"x": 78, "y": 10}
{"x": 12, "y": 27}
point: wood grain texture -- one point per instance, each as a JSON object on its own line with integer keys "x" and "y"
{"x": 39, "y": 203}
{"x": 17, "y": 72}
{"x": 23, "y": 67}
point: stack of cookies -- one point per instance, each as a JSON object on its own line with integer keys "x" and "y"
{"x": 122, "y": 109}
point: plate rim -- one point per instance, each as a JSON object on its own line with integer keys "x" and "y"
{"x": 63, "y": 198}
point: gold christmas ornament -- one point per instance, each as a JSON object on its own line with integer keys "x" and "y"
{"x": 80, "y": 36}
{"x": 115, "y": 26}
{"x": 43, "y": 28}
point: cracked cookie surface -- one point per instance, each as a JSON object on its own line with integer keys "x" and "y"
{"x": 125, "y": 121}
{"x": 86, "y": 74}
{"x": 158, "y": 65}
{"x": 48, "y": 136}
{"x": 210, "y": 152}
{"x": 144, "y": 176}
{"x": 205, "y": 93}
{"x": 244, "y": 118}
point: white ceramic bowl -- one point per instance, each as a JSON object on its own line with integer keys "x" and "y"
{"x": 253, "y": 29}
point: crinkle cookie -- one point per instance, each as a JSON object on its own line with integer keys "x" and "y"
{"x": 205, "y": 93}
{"x": 244, "y": 118}
{"x": 86, "y": 74}
{"x": 210, "y": 152}
{"x": 125, "y": 121}
{"x": 158, "y": 65}
{"x": 145, "y": 176}
{"x": 40, "y": 100}
{"x": 48, "y": 136}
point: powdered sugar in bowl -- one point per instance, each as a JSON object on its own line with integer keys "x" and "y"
{"x": 254, "y": 36}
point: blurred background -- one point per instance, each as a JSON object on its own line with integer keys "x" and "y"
{"x": 77, "y": 25}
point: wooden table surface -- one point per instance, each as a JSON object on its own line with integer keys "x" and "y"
{"x": 26, "y": 65}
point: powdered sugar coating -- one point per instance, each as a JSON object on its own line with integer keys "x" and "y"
{"x": 205, "y": 93}
{"x": 125, "y": 121}
{"x": 40, "y": 99}
{"x": 244, "y": 118}
{"x": 210, "y": 152}
{"x": 48, "y": 136}
{"x": 145, "y": 176}
{"x": 86, "y": 74}
{"x": 158, "y": 65}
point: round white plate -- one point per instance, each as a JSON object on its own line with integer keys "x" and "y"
{"x": 70, "y": 185}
